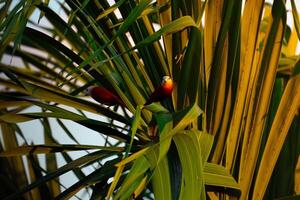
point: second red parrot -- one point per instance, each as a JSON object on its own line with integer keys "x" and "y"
{"x": 104, "y": 96}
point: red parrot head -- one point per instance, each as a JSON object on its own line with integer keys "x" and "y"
{"x": 167, "y": 85}
{"x": 163, "y": 92}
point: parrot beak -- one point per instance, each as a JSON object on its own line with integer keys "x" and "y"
{"x": 88, "y": 91}
{"x": 165, "y": 79}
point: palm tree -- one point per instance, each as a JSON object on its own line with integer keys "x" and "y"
{"x": 229, "y": 130}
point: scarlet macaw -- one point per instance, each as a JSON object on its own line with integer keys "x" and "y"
{"x": 104, "y": 96}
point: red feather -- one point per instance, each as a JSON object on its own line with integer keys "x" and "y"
{"x": 104, "y": 96}
{"x": 163, "y": 91}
